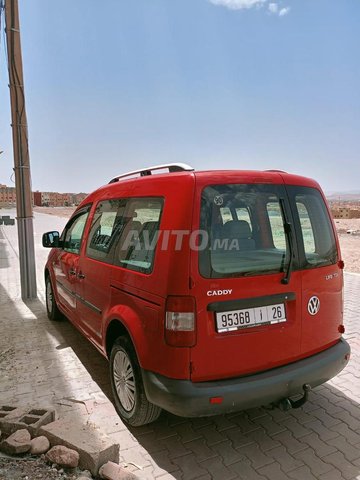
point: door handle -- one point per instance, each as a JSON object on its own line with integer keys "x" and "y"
{"x": 81, "y": 275}
{"x": 72, "y": 272}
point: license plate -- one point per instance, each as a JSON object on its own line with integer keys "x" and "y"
{"x": 250, "y": 317}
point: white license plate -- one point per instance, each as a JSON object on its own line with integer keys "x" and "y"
{"x": 250, "y": 317}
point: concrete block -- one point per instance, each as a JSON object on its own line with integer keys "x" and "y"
{"x": 15, "y": 418}
{"x": 113, "y": 471}
{"x": 18, "y": 442}
{"x": 94, "y": 447}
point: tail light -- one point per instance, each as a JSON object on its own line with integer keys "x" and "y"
{"x": 180, "y": 328}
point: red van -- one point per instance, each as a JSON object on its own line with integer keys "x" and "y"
{"x": 209, "y": 292}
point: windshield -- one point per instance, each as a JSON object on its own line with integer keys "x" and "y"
{"x": 245, "y": 229}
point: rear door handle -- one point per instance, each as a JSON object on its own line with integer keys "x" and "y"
{"x": 81, "y": 275}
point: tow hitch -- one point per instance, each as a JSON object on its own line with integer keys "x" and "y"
{"x": 286, "y": 403}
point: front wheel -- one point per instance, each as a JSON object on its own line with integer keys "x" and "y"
{"x": 127, "y": 386}
{"x": 52, "y": 310}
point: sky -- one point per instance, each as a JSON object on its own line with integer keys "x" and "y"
{"x": 219, "y": 84}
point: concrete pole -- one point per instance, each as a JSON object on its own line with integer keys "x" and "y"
{"x": 21, "y": 153}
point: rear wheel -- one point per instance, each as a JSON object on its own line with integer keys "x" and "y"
{"x": 127, "y": 386}
{"x": 52, "y": 310}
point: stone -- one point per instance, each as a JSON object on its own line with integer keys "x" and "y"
{"x": 63, "y": 456}
{"x": 39, "y": 445}
{"x": 113, "y": 471}
{"x": 18, "y": 442}
{"x": 85, "y": 475}
{"x": 93, "y": 446}
{"x": 16, "y": 418}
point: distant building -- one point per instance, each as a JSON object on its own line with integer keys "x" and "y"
{"x": 37, "y": 198}
{"x": 7, "y": 196}
{"x": 345, "y": 212}
{"x": 41, "y": 199}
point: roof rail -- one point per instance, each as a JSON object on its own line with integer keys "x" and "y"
{"x": 144, "y": 172}
{"x": 274, "y": 170}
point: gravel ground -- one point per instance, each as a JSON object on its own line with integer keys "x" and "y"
{"x": 32, "y": 468}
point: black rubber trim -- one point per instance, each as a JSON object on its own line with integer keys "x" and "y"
{"x": 251, "y": 302}
{"x": 67, "y": 290}
{"x": 81, "y": 299}
{"x": 190, "y": 399}
{"x": 88, "y": 304}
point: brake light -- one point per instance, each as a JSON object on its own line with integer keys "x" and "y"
{"x": 180, "y": 321}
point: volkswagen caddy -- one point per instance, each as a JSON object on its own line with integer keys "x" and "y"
{"x": 209, "y": 292}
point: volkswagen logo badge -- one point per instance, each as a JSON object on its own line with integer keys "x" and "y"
{"x": 313, "y": 305}
{"x": 218, "y": 200}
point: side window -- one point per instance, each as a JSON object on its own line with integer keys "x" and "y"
{"x": 140, "y": 234}
{"x": 306, "y": 228}
{"x": 225, "y": 214}
{"x": 276, "y": 225}
{"x": 242, "y": 213}
{"x": 74, "y": 231}
{"x": 105, "y": 227}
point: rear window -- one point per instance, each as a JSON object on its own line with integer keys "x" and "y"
{"x": 316, "y": 239}
{"x": 244, "y": 226}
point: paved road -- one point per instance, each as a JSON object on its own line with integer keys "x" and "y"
{"x": 50, "y": 364}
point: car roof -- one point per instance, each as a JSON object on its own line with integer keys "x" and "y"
{"x": 159, "y": 182}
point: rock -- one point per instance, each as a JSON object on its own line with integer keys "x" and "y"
{"x": 18, "y": 442}
{"x": 85, "y": 475}
{"x": 63, "y": 456}
{"x": 39, "y": 445}
{"x": 113, "y": 471}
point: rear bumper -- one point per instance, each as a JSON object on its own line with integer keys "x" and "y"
{"x": 188, "y": 399}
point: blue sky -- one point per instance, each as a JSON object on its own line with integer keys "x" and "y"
{"x": 246, "y": 84}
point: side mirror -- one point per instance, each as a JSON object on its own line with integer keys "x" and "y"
{"x": 51, "y": 239}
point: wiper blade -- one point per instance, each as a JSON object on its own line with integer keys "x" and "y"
{"x": 288, "y": 232}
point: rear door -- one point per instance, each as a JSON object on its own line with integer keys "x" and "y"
{"x": 322, "y": 277}
{"x": 95, "y": 266}
{"x": 248, "y": 292}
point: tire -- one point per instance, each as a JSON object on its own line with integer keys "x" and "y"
{"x": 52, "y": 310}
{"x": 127, "y": 386}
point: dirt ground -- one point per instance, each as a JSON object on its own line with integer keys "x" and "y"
{"x": 58, "y": 211}
{"x": 350, "y": 243}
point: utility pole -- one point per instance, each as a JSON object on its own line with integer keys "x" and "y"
{"x": 21, "y": 153}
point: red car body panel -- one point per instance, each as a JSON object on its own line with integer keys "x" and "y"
{"x": 136, "y": 300}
